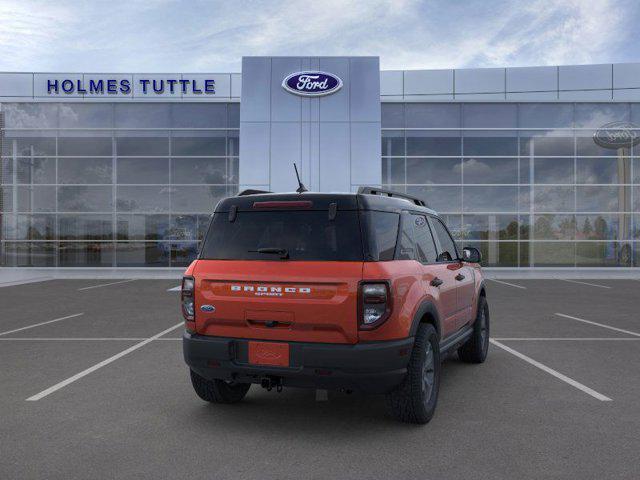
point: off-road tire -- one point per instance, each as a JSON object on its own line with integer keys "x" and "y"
{"x": 476, "y": 348}
{"x": 218, "y": 391}
{"x": 412, "y": 401}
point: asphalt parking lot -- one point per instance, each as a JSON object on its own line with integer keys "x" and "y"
{"x": 92, "y": 385}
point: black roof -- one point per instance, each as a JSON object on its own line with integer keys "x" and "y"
{"x": 321, "y": 201}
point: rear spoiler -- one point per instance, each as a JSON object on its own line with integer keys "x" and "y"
{"x": 250, "y": 191}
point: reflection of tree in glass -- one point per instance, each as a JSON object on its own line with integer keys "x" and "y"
{"x": 567, "y": 227}
{"x": 601, "y": 228}
{"x": 543, "y": 227}
{"x": 511, "y": 232}
{"x": 586, "y": 228}
{"x": 553, "y": 227}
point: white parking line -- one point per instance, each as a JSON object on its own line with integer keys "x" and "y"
{"x": 507, "y": 283}
{"x": 559, "y": 339}
{"x": 584, "y": 283}
{"x": 97, "y": 366}
{"x": 15, "y": 283}
{"x": 174, "y": 339}
{"x": 97, "y": 339}
{"x": 175, "y": 289}
{"x": 553, "y": 372}
{"x": 70, "y": 339}
{"x": 629, "y": 332}
{"x": 41, "y": 323}
{"x": 107, "y": 284}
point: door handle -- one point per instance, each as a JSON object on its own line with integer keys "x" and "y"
{"x": 459, "y": 277}
{"x": 436, "y": 282}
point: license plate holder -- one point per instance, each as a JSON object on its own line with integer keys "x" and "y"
{"x": 269, "y": 353}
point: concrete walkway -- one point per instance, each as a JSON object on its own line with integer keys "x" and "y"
{"x": 16, "y": 276}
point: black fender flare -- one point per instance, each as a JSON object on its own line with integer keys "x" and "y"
{"x": 481, "y": 289}
{"x": 426, "y": 307}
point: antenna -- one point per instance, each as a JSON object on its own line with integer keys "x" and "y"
{"x": 301, "y": 188}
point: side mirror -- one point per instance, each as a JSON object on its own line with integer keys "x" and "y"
{"x": 471, "y": 255}
{"x": 444, "y": 257}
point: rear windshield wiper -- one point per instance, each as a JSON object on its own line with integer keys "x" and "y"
{"x": 284, "y": 254}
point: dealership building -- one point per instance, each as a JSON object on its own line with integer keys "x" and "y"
{"x": 535, "y": 166}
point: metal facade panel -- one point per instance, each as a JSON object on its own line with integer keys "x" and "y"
{"x": 626, "y": 75}
{"x": 334, "y": 154}
{"x": 585, "y": 77}
{"x": 365, "y": 154}
{"x": 256, "y": 89}
{"x": 330, "y": 137}
{"x": 255, "y": 147}
{"x": 284, "y": 106}
{"x": 391, "y": 82}
{"x": 16, "y": 84}
{"x": 364, "y": 84}
{"x": 532, "y": 79}
{"x": 428, "y": 82}
{"x": 479, "y": 80}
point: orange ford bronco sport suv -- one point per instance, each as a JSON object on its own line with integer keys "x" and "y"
{"x": 364, "y": 292}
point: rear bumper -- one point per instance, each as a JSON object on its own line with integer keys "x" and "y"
{"x": 375, "y": 367}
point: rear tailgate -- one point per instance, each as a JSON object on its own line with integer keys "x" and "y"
{"x": 302, "y": 301}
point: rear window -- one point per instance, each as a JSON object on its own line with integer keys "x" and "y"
{"x": 304, "y": 234}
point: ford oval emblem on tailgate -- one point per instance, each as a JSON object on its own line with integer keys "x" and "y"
{"x": 208, "y": 308}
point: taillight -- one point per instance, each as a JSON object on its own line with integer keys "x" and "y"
{"x": 375, "y": 304}
{"x": 187, "y": 298}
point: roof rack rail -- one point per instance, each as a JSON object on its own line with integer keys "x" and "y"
{"x": 251, "y": 191}
{"x": 391, "y": 193}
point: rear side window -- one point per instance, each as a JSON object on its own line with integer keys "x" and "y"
{"x": 381, "y": 233}
{"x": 406, "y": 242}
{"x": 447, "y": 249}
{"x": 304, "y": 234}
{"x": 426, "y": 248}
{"x": 416, "y": 241}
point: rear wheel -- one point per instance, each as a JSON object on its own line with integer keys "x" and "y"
{"x": 415, "y": 399}
{"x": 218, "y": 391}
{"x": 476, "y": 348}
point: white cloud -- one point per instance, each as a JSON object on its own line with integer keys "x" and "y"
{"x": 171, "y": 36}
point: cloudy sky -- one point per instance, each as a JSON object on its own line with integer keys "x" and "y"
{"x": 211, "y": 36}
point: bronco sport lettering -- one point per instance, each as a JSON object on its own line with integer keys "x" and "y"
{"x": 270, "y": 290}
{"x": 364, "y": 291}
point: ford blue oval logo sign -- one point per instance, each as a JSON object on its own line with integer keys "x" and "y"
{"x": 617, "y": 135}
{"x": 312, "y": 83}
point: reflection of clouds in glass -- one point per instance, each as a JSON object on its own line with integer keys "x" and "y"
{"x": 490, "y": 199}
{"x": 490, "y": 170}
{"x": 554, "y": 199}
{"x": 474, "y": 166}
{"x": 596, "y": 115}
{"x": 545, "y": 115}
{"x": 84, "y": 199}
{"x": 84, "y": 170}
{"x": 603, "y": 199}
{"x": 600, "y": 170}
{"x": 20, "y": 115}
{"x": 68, "y": 115}
{"x": 143, "y": 199}
{"x": 524, "y": 199}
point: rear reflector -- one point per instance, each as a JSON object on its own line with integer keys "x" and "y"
{"x": 284, "y": 204}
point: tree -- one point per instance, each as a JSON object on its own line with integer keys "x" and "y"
{"x": 587, "y": 230}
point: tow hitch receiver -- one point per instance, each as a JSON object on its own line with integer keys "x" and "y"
{"x": 270, "y": 382}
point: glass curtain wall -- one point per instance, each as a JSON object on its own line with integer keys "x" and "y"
{"x": 113, "y": 184}
{"x": 525, "y": 183}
